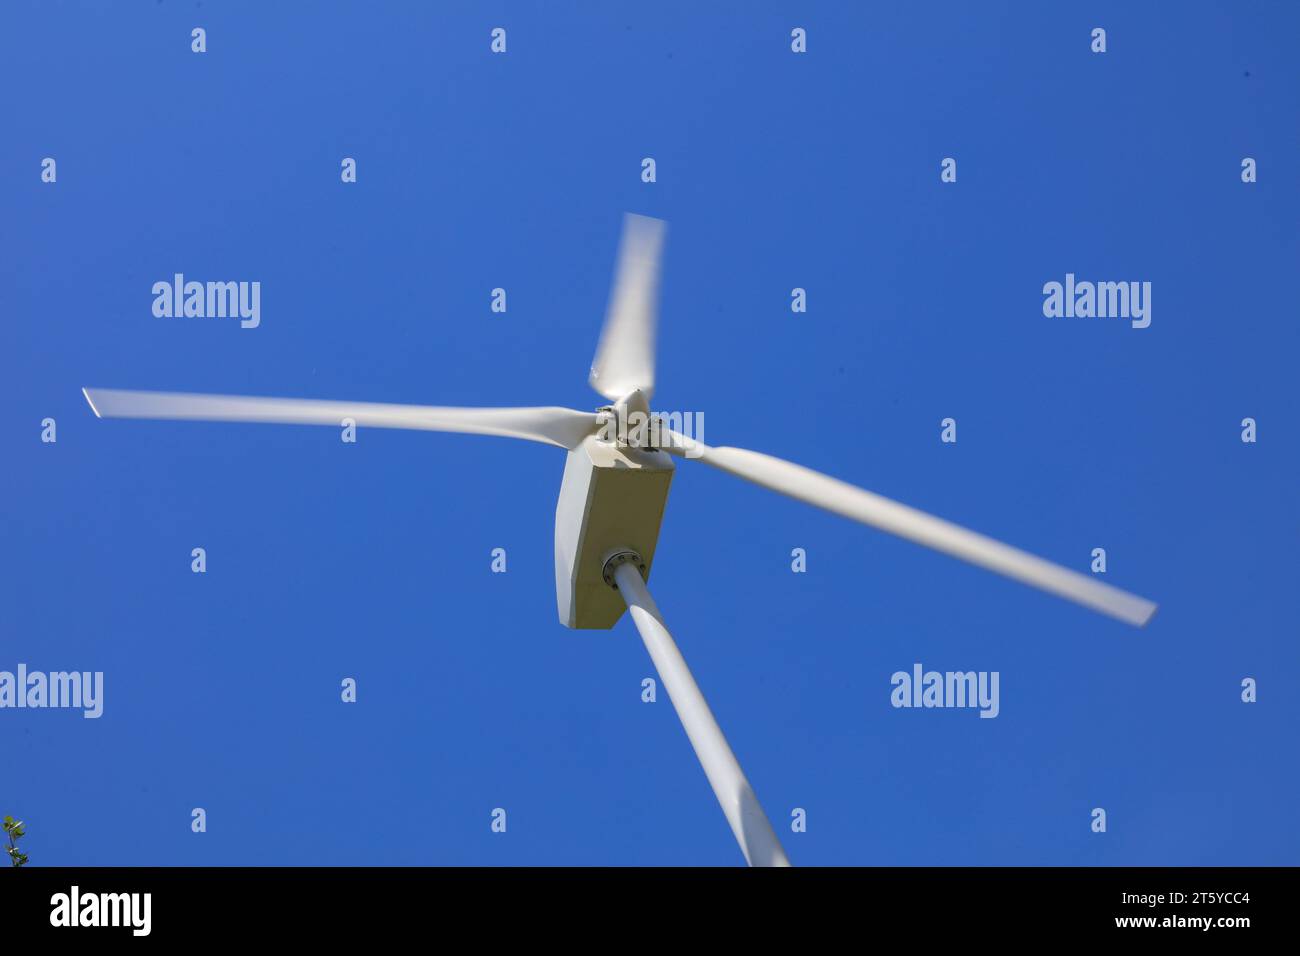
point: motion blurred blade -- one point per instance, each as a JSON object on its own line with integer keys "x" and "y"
{"x": 871, "y": 509}
{"x": 554, "y": 426}
{"x": 625, "y": 358}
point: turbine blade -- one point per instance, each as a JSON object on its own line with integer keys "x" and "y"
{"x": 554, "y": 426}
{"x": 625, "y": 357}
{"x": 863, "y": 506}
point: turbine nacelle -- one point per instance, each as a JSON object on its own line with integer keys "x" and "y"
{"x": 611, "y": 500}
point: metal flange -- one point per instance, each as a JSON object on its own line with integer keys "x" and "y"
{"x": 623, "y": 556}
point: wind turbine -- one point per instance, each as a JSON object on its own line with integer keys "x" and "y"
{"x": 612, "y": 500}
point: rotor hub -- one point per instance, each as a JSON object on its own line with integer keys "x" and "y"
{"x": 628, "y": 423}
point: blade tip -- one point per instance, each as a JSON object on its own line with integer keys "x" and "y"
{"x": 91, "y": 402}
{"x": 652, "y": 221}
{"x": 644, "y": 229}
{"x": 1138, "y": 614}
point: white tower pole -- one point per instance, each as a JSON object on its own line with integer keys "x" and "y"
{"x": 748, "y": 822}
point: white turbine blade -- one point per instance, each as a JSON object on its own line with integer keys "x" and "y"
{"x": 871, "y": 509}
{"x": 625, "y": 358}
{"x": 554, "y": 426}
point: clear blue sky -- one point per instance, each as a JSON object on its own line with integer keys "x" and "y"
{"x": 371, "y": 560}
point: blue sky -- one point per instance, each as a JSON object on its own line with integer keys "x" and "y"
{"x": 775, "y": 170}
